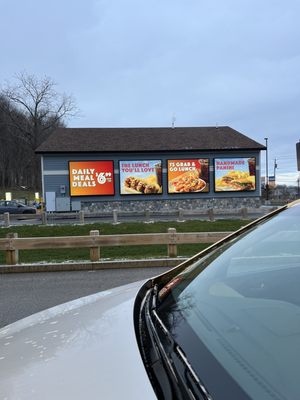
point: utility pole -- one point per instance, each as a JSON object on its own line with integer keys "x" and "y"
{"x": 275, "y": 167}
{"x": 267, "y": 172}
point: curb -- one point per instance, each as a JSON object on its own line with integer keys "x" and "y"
{"x": 83, "y": 266}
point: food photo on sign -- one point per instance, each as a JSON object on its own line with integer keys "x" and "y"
{"x": 141, "y": 177}
{"x": 188, "y": 176}
{"x": 235, "y": 174}
{"x": 91, "y": 178}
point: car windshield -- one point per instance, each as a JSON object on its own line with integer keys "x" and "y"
{"x": 237, "y": 311}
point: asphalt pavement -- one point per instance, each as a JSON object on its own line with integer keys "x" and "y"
{"x": 23, "y": 294}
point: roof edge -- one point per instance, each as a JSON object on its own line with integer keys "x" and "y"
{"x": 151, "y": 151}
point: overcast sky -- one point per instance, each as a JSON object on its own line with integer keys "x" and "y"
{"x": 138, "y": 63}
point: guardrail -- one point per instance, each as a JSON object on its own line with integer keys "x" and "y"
{"x": 12, "y": 243}
{"x": 146, "y": 216}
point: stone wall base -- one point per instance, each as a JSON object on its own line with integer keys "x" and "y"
{"x": 172, "y": 205}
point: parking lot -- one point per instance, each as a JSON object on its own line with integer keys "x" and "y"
{"x": 23, "y": 294}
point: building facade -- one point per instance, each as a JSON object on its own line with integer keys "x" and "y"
{"x": 132, "y": 168}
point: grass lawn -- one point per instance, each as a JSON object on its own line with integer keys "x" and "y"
{"x": 118, "y": 252}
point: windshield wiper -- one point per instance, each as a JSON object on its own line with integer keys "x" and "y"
{"x": 180, "y": 370}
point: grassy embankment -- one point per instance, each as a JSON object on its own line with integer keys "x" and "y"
{"x": 129, "y": 252}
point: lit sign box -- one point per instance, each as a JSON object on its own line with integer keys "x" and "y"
{"x": 235, "y": 174}
{"x": 91, "y": 178}
{"x": 188, "y": 176}
{"x": 141, "y": 177}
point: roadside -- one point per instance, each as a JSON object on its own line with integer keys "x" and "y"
{"x": 92, "y": 266}
{"x": 116, "y": 217}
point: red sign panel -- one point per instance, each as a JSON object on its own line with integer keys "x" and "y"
{"x": 91, "y": 178}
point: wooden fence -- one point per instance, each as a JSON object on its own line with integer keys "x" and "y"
{"x": 115, "y": 216}
{"x": 12, "y": 243}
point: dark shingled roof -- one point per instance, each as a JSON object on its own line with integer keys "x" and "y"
{"x": 78, "y": 140}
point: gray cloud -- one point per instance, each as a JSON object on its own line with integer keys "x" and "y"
{"x": 136, "y": 63}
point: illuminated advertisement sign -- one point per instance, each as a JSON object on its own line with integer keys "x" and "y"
{"x": 91, "y": 178}
{"x": 141, "y": 177}
{"x": 234, "y": 174}
{"x": 188, "y": 176}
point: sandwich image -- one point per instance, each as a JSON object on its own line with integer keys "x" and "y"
{"x": 243, "y": 184}
{"x": 236, "y": 180}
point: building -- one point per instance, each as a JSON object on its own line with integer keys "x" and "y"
{"x": 94, "y": 168}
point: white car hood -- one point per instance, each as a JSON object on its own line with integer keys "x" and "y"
{"x": 84, "y": 349}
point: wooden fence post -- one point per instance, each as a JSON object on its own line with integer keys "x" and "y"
{"x": 210, "y": 213}
{"x": 244, "y": 213}
{"x": 94, "y": 251}
{"x": 44, "y": 217}
{"x": 115, "y": 217}
{"x": 6, "y": 219}
{"x": 12, "y": 255}
{"x": 147, "y": 217}
{"x": 172, "y": 246}
{"x": 81, "y": 217}
{"x": 180, "y": 215}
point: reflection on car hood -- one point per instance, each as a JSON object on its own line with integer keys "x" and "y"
{"x": 84, "y": 349}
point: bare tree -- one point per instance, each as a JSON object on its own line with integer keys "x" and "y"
{"x": 34, "y": 109}
{"x": 43, "y": 107}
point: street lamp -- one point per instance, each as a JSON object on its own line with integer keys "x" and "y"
{"x": 267, "y": 172}
{"x": 275, "y": 167}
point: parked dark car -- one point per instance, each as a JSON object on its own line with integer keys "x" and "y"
{"x": 223, "y": 325}
{"x": 14, "y": 207}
